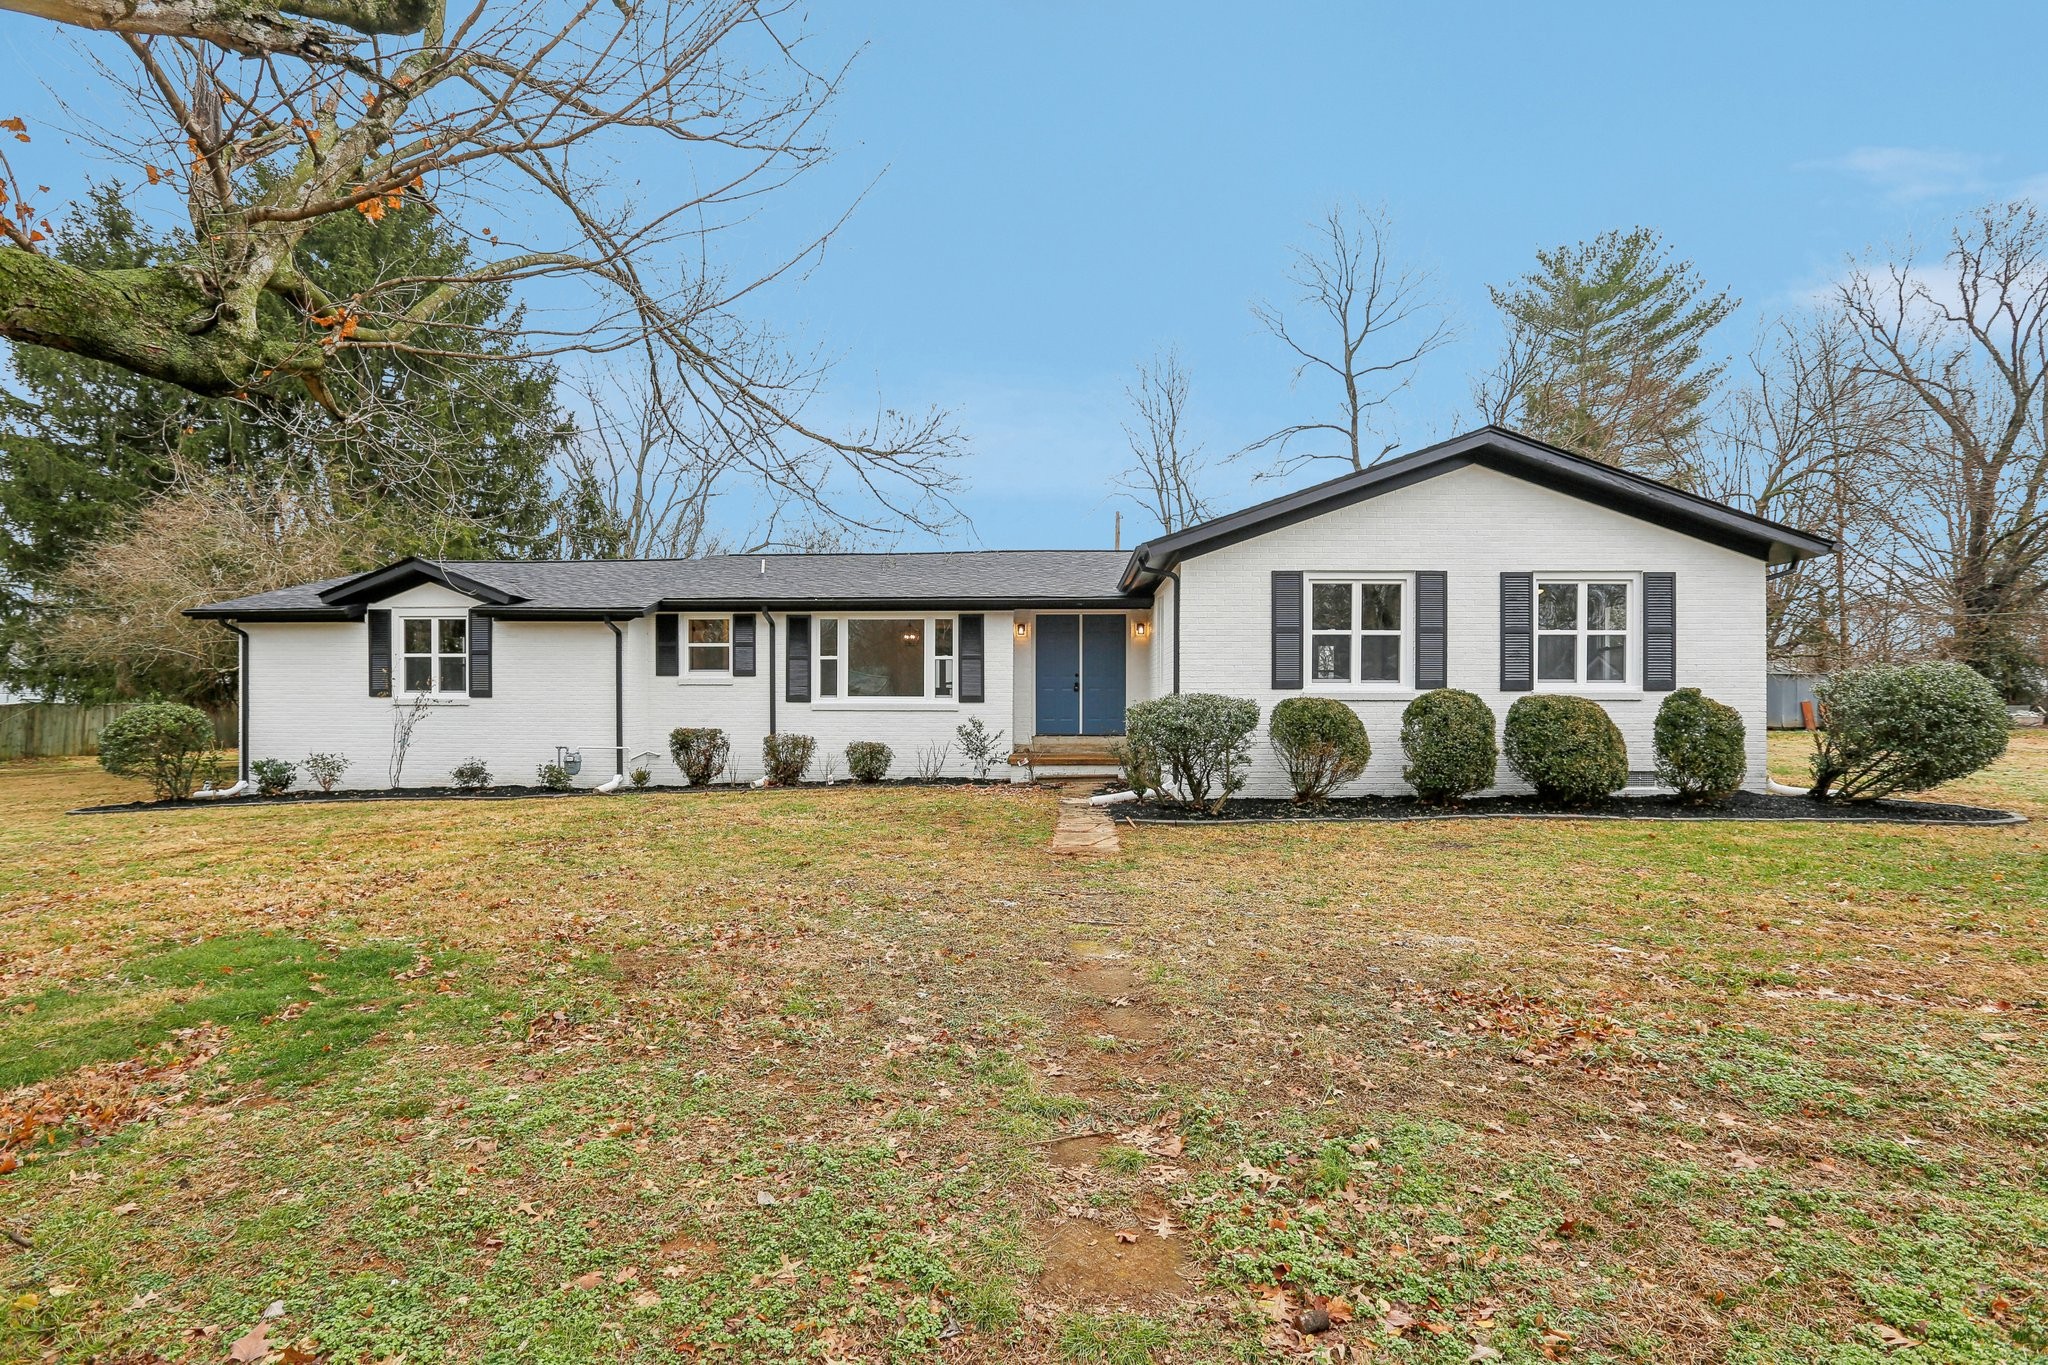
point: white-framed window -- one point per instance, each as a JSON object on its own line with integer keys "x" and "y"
{"x": 885, "y": 658}
{"x": 1359, "y": 631}
{"x": 1583, "y": 630}
{"x": 707, "y": 646}
{"x": 434, "y": 655}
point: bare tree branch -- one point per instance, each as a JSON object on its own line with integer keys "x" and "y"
{"x": 1369, "y": 324}
{"x": 1166, "y": 466}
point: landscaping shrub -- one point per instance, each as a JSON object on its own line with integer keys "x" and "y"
{"x": 165, "y": 744}
{"x": 700, "y": 753}
{"x": 325, "y": 769}
{"x": 1448, "y": 737}
{"x": 1321, "y": 742}
{"x": 640, "y": 777}
{"x": 1140, "y": 765}
{"x": 1201, "y": 743}
{"x": 274, "y": 776}
{"x": 553, "y": 776}
{"x": 473, "y": 775}
{"x": 980, "y": 746}
{"x": 931, "y": 761}
{"x": 868, "y": 760}
{"x": 1904, "y": 728}
{"x": 1699, "y": 746}
{"x": 786, "y": 756}
{"x": 1566, "y": 747}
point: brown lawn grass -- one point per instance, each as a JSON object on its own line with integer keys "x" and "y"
{"x": 774, "y": 1075}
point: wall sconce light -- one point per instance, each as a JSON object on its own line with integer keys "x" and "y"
{"x": 1023, "y": 629}
{"x": 1141, "y": 629}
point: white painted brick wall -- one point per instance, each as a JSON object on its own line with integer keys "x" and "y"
{"x": 554, "y": 680}
{"x": 553, "y": 684}
{"x": 1474, "y": 524}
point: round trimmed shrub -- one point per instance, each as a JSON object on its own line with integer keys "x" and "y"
{"x": 1198, "y": 743}
{"x": 552, "y": 777}
{"x": 472, "y": 775}
{"x": 274, "y": 776}
{"x": 1699, "y": 746}
{"x": 786, "y": 756}
{"x": 1904, "y": 728}
{"x": 700, "y": 752}
{"x": 168, "y": 745}
{"x": 1448, "y": 737}
{"x": 1321, "y": 742}
{"x": 1567, "y": 748}
{"x": 868, "y": 760}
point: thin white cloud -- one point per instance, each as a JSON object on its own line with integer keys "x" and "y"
{"x": 1912, "y": 174}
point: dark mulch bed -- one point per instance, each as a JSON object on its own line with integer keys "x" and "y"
{"x": 359, "y": 796}
{"x": 1741, "y": 806}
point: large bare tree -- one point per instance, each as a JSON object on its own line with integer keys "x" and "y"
{"x": 1165, "y": 472}
{"x": 1361, "y": 325}
{"x": 1808, "y": 438}
{"x": 599, "y": 156}
{"x": 1965, "y": 344}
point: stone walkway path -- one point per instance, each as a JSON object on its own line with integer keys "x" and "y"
{"x": 1084, "y": 831}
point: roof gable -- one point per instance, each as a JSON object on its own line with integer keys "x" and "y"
{"x": 1508, "y": 453}
{"x": 410, "y": 572}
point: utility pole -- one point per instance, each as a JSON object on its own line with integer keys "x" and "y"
{"x": 1119, "y": 528}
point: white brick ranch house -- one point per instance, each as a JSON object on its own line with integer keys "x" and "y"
{"x": 1489, "y": 562}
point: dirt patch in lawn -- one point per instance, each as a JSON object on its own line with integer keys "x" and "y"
{"x": 1110, "y": 1261}
{"x": 1078, "y": 1151}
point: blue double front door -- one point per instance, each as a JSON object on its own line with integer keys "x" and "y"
{"x": 1081, "y": 675}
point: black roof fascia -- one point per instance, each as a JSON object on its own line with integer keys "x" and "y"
{"x": 1138, "y": 601}
{"x": 368, "y": 587}
{"x": 230, "y": 613}
{"x": 520, "y": 612}
{"x": 1509, "y": 453}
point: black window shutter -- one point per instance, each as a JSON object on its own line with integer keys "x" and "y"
{"x": 743, "y": 644}
{"x": 380, "y": 651}
{"x": 667, "y": 650}
{"x": 1660, "y": 632}
{"x": 1517, "y": 632}
{"x": 1430, "y": 644}
{"x": 798, "y": 662}
{"x": 479, "y": 655}
{"x": 1286, "y": 631}
{"x": 967, "y": 643}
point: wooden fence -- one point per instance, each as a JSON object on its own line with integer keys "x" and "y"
{"x": 54, "y": 729}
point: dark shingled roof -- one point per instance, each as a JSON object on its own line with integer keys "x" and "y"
{"x": 954, "y": 578}
{"x": 1508, "y": 452}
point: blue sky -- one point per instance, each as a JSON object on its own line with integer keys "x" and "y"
{"x": 1054, "y": 191}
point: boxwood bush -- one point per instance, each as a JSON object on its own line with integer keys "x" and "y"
{"x": 869, "y": 759}
{"x": 1321, "y": 742}
{"x": 274, "y": 776}
{"x": 786, "y": 756}
{"x": 167, "y": 745}
{"x": 1567, "y": 748}
{"x": 1198, "y": 743}
{"x": 1448, "y": 737}
{"x": 1904, "y": 728}
{"x": 700, "y": 752}
{"x": 1700, "y": 746}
